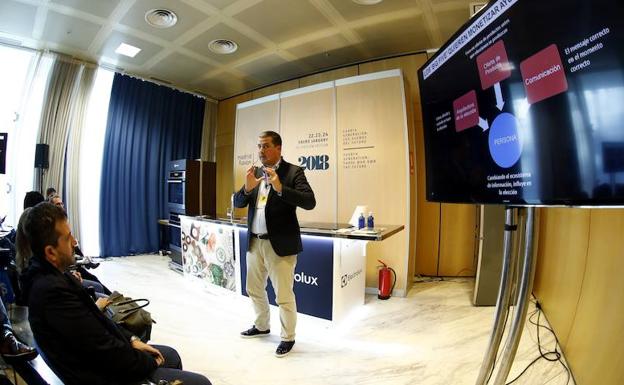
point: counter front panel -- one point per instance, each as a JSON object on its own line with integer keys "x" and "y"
{"x": 313, "y": 275}
{"x": 208, "y": 252}
{"x": 330, "y": 271}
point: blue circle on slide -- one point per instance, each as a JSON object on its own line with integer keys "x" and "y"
{"x": 504, "y": 140}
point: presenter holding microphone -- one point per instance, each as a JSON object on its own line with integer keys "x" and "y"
{"x": 273, "y": 192}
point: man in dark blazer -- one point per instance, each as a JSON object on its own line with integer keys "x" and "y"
{"x": 75, "y": 338}
{"x": 273, "y": 192}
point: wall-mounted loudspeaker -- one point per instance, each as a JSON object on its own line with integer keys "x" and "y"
{"x": 41, "y": 155}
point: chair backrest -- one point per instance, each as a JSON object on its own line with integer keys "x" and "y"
{"x": 36, "y": 372}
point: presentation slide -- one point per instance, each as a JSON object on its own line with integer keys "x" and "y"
{"x": 525, "y": 105}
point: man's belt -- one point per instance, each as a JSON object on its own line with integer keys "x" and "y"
{"x": 259, "y": 236}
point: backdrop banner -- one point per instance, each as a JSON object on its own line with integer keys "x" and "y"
{"x": 252, "y": 118}
{"x": 350, "y": 136}
{"x": 308, "y": 130}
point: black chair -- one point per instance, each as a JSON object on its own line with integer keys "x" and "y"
{"x": 34, "y": 372}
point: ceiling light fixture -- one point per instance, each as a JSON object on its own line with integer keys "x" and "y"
{"x": 367, "y": 2}
{"x": 161, "y": 18}
{"x": 127, "y": 50}
{"x": 222, "y": 46}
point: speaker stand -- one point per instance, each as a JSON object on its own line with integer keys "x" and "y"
{"x": 39, "y": 180}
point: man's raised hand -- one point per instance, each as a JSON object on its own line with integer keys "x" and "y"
{"x": 250, "y": 179}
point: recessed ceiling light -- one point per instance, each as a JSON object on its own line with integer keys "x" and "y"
{"x": 222, "y": 46}
{"x": 161, "y": 18}
{"x": 367, "y": 2}
{"x": 127, "y": 50}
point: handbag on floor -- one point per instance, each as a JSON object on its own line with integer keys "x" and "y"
{"x": 130, "y": 314}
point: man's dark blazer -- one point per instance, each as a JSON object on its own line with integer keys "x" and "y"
{"x": 77, "y": 340}
{"x": 280, "y": 211}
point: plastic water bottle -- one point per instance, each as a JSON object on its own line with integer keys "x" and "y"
{"x": 370, "y": 221}
{"x": 361, "y": 221}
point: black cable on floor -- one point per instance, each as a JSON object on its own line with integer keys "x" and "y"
{"x": 543, "y": 355}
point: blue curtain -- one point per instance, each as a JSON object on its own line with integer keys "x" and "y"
{"x": 148, "y": 125}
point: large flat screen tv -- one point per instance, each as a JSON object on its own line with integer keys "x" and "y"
{"x": 525, "y": 105}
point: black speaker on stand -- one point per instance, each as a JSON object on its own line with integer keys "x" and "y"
{"x": 41, "y": 163}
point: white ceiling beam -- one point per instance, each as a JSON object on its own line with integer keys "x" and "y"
{"x": 118, "y": 13}
{"x": 431, "y": 22}
{"x": 178, "y": 43}
{"x": 40, "y": 19}
{"x": 453, "y": 6}
{"x": 239, "y": 6}
{"x": 226, "y": 17}
{"x": 387, "y": 17}
{"x": 336, "y": 19}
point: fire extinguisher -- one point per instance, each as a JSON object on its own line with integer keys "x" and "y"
{"x": 385, "y": 289}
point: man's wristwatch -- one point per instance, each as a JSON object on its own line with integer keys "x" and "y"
{"x": 134, "y": 338}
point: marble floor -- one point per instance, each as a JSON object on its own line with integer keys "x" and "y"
{"x": 434, "y": 336}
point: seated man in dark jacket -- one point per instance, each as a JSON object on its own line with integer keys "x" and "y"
{"x": 76, "y": 339}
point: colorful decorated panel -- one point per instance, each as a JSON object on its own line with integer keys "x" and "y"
{"x": 208, "y": 252}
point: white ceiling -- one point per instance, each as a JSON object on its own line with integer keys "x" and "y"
{"x": 278, "y": 39}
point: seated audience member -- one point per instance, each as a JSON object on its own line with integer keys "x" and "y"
{"x": 50, "y": 192}
{"x": 67, "y": 324}
{"x": 23, "y": 250}
{"x": 10, "y": 348}
{"x": 10, "y": 242}
{"x": 56, "y": 200}
{"x": 32, "y": 198}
